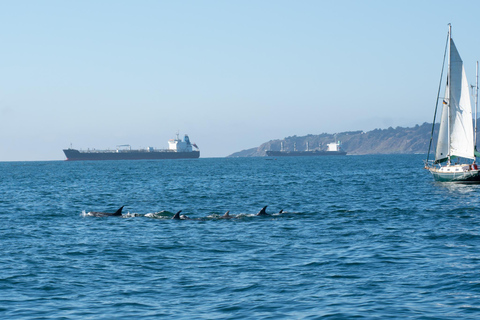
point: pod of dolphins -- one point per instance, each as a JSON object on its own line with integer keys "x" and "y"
{"x": 177, "y": 215}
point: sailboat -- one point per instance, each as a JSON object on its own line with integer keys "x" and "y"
{"x": 455, "y": 154}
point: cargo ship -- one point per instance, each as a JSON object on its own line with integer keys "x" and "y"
{"x": 177, "y": 149}
{"x": 333, "y": 149}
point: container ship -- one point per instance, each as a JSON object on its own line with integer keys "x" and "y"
{"x": 177, "y": 149}
{"x": 333, "y": 149}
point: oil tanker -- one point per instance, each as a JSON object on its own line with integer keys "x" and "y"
{"x": 333, "y": 149}
{"x": 177, "y": 149}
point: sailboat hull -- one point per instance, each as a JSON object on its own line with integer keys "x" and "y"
{"x": 456, "y": 174}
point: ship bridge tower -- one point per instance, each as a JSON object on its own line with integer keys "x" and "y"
{"x": 179, "y": 145}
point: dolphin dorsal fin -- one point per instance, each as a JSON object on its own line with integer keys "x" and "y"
{"x": 227, "y": 214}
{"x": 177, "y": 215}
{"x": 119, "y": 211}
{"x": 281, "y": 211}
{"x": 263, "y": 212}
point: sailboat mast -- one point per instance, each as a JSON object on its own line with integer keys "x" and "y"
{"x": 449, "y": 87}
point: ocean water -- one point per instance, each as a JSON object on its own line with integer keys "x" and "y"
{"x": 361, "y": 237}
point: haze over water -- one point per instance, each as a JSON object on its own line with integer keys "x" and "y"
{"x": 361, "y": 237}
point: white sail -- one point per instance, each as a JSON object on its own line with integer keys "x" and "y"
{"x": 442, "y": 143}
{"x": 461, "y": 126}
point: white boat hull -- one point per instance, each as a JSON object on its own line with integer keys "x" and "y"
{"x": 456, "y": 174}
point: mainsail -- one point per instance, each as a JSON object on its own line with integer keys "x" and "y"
{"x": 442, "y": 145}
{"x": 456, "y": 128}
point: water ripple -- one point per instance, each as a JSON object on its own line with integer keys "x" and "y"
{"x": 352, "y": 243}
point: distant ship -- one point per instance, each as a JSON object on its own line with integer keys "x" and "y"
{"x": 333, "y": 149}
{"x": 177, "y": 149}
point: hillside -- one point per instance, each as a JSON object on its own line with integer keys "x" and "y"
{"x": 379, "y": 141}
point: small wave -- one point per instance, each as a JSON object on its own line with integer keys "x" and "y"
{"x": 160, "y": 215}
{"x": 132, "y": 215}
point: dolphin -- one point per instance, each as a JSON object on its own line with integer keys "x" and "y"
{"x": 177, "y": 215}
{"x": 263, "y": 212}
{"x": 117, "y": 213}
{"x": 226, "y": 215}
{"x": 281, "y": 211}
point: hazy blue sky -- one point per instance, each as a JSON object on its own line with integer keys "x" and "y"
{"x": 231, "y": 74}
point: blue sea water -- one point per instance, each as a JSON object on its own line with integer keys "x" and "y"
{"x": 361, "y": 237}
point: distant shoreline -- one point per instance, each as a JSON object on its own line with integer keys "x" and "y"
{"x": 399, "y": 140}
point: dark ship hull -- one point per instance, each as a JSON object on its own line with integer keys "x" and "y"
{"x": 76, "y": 155}
{"x": 304, "y": 153}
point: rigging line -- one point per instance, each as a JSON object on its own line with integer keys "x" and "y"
{"x": 438, "y": 95}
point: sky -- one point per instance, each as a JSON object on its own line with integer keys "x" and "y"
{"x": 230, "y": 74}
